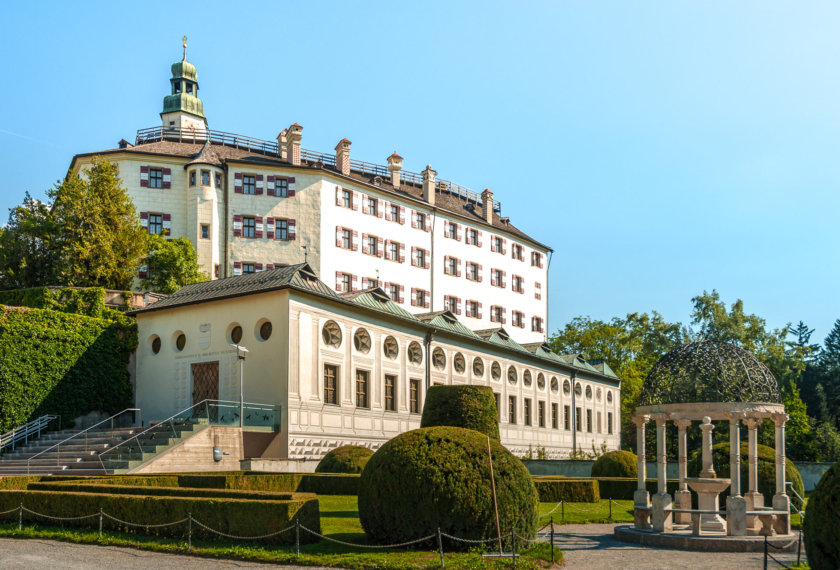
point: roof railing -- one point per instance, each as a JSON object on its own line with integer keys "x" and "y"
{"x": 271, "y": 148}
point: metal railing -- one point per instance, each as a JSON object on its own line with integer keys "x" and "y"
{"x": 315, "y": 156}
{"x": 800, "y": 512}
{"x": 83, "y": 435}
{"x": 24, "y": 432}
{"x": 163, "y": 435}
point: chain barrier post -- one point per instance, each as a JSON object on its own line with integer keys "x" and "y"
{"x": 297, "y": 538}
{"x": 513, "y": 544}
{"x": 100, "y": 524}
{"x": 563, "y": 511}
{"x": 552, "y": 540}
{"x": 610, "y": 502}
{"x": 189, "y": 532}
{"x": 799, "y": 546}
{"x": 765, "y": 552}
{"x": 20, "y": 517}
{"x": 440, "y": 549}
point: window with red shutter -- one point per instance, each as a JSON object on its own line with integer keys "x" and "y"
{"x": 144, "y": 176}
{"x": 269, "y": 185}
{"x": 258, "y": 227}
{"x": 167, "y": 178}
{"x": 237, "y": 183}
{"x": 292, "y": 229}
{"x": 237, "y": 225}
{"x": 269, "y": 228}
{"x": 291, "y": 187}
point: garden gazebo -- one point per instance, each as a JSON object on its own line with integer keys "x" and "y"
{"x": 705, "y": 381}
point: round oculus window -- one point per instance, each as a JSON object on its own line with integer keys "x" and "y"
{"x": 331, "y": 334}
{"x": 526, "y": 378}
{"x": 439, "y": 358}
{"x": 567, "y": 387}
{"x": 459, "y": 364}
{"x": 265, "y": 330}
{"x": 181, "y": 342}
{"x": 236, "y": 334}
{"x": 478, "y": 367}
{"x": 391, "y": 348}
{"x": 496, "y": 371}
{"x": 512, "y": 376}
{"x": 361, "y": 340}
{"x": 156, "y": 345}
{"x": 555, "y": 385}
{"x": 415, "y": 353}
{"x": 541, "y": 381}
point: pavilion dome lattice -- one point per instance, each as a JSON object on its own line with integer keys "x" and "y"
{"x": 709, "y": 371}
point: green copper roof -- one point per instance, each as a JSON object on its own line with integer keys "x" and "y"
{"x": 184, "y": 70}
{"x": 184, "y": 96}
{"x": 378, "y": 300}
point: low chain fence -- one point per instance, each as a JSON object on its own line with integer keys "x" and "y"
{"x": 190, "y": 522}
{"x": 602, "y": 508}
{"x": 768, "y": 556}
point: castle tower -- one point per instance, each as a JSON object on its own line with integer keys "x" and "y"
{"x": 182, "y": 109}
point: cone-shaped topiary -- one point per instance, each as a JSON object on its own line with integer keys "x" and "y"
{"x": 345, "y": 459}
{"x": 766, "y": 470}
{"x": 439, "y": 477}
{"x": 616, "y": 464}
{"x": 471, "y": 407}
{"x": 822, "y": 522}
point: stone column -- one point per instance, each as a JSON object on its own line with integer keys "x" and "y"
{"x": 781, "y": 501}
{"x": 755, "y": 500}
{"x": 736, "y": 505}
{"x": 683, "y": 495}
{"x": 641, "y": 500}
{"x": 662, "y": 520}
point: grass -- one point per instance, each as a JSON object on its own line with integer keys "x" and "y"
{"x": 583, "y": 513}
{"x": 339, "y": 520}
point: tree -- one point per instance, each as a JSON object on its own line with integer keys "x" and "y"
{"x": 830, "y": 356}
{"x": 172, "y": 264}
{"x": 101, "y": 239}
{"x": 27, "y": 246}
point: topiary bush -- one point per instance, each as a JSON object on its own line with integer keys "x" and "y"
{"x": 822, "y": 522}
{"x": 345, "y": 459}
{"x": 556, "y": 489}
{"x": 616, "y": 464}
{"x": 471, "y": 407}
{"x": 439, "y": 477}
{"x": 766, "y": 470}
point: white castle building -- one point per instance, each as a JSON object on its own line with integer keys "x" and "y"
{"x": 249, "y": 205}
{"x": 355, "y": 287}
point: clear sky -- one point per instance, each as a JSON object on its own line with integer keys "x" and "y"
{"x": 661, "y": 148}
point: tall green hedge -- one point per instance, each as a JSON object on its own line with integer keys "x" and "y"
{"x": 62, "y": 364}
{"x": 556, "y": 489}
{"x": 822, "y": 522}
{"x": 345, "y": 459}
{"x": 88, "y": 301}
{"x": 618, "y": 463}
{"x": 471, "y": 407}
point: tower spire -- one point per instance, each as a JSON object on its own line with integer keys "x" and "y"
{"x": 185, "y": 47}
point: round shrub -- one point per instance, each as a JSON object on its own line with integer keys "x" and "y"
{"x": 471, "y": 407}
{"x": 345, "y": 459}
{"x": 766, "y": 470}
{"x": 822, "y": 522}
{"x": 439, "y": 477}
{"x": 616, "y": 464}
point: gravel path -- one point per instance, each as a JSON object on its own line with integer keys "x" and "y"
{"x": 42, "y": 554}
{"x": 593, "y": 546}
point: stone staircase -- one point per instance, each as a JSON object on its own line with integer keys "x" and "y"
{"x": 79, "y": 456}
{"x": 148, "y": 444}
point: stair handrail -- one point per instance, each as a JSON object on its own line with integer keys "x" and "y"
{"x": 205, "y": 403}
{"x": 75, "y": 435}
{"x": 24, "y": 431}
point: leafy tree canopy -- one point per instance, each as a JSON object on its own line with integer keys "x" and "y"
{"x": 172, "y": 264}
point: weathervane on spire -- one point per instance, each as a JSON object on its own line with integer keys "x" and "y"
{"x": 185, "y": 47}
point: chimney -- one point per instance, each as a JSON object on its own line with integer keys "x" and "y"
{"x": 293, "y": 136}
{"x": 395, "y": 163}
{"x": 487, "y": 205}
{"x": 429, "y": 184}
{"x": 342, "y": 156}
{"x": 282, "y": 141}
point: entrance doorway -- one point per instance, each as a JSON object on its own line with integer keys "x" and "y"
{"x": 205, "y": 384}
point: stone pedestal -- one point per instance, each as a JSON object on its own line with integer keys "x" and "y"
{"x": 755, "y": 501}
{"x": 782, "y": 503}
{"x": 736, "y": 516}
{"x": 683, "y": 501}
{"x": 708, "y": 490}
{"x": 641, "y": 517}
{"x": 662, "y": 521}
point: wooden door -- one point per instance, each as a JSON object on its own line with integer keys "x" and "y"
{"x": 205, "y": 381}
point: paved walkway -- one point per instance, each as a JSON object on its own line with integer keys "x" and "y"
{"x": 593, "y": 546}
{"x": 42, "y": 554}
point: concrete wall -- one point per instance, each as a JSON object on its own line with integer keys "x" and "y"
{"x": 811, "y": 472}
{"x": 583, "y": 468}
{"x": 196, "y": 453}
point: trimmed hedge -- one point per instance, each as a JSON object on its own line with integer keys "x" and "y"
{"x": 87, "y": 301}
{"x": 622, "y": 488}
{"x": 822, "y": 522}
{"x": 766, "y": 470}
{"x": 345, "y": 459}
{"x": 470, "y": 407}
{"x": 62, "y": 364}
{"x": 320, "y": 483}
{"x": 554, "y": 490}
{"x": 233, "y": 516}
{"x": 439, "y": 477}
{"x": 76, "y": 487}
{"x": 617, "y": 463}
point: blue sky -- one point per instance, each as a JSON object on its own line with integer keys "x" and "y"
{"x": 661, "y": 148}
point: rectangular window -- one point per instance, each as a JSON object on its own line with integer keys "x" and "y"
{"x": 421, "y": 221}
{"x": 192, "y": 178}
{"x": 205, "y": 178}
{"x": 362, "y": 388}
{"x": 450, "y": 304}
{"x": 394, "y": 211}
{"x": 472, "y": 271}
{"x": 394, "y": 292}
{"x": 518, "y": 319}
{"x": 589, "y": 421}
{"x": 512, "y": 409}
{"x": 371, "y": 283}
{"x": 156, "y": 224}
{"x": 598, "y": 422}
{"x": 390, "y": 393}
{"x": 566, "y": 420}
{"x": 471, "y": 309}
{"x": 205, "y": 231}
{"x": 347, "y": 198}
{"x": 452, "y": 230}
{"x": 497, "y": 244}
{"x": 249, "y": 227}
{"x": 421, "y": 258}
{"x": 516, "y": 284}
{"x": 498, "y": 314}
{"x": 536, "y": 259}
{"x": 330, "y": 384}
{"x": 498, "y": 398}
{"x": 451, "y": 266}
{"x": 516, "y": 252}
{"x": 247, "y": 268}
{"x": 498, "y": 278}
{"x": 421, "y": 298}
{"x": 249, "y": 184}
{"x": 526, "y": 412}
{"x": 346, "y": 282}
{"x": 554, "y": 420}
{"x": 281, "y": 229}
{"x": 414, "y": 396}
{"x": 609, "y": 423}
{"x": 578, "y": 419}
{"x": 541, "y": 414}
{"x": 537, "y": 291}
{"x": 373, "y": 204}
{"x": 281, "y": 187}
{"x": 347, "y": 239}
{"x": 536, "y": 324}
{"x": 373, "y": 245}
{"x": 218, "y": 180}
{"x": 155, "y": 178}
{"x": 394, "y": 253}
{"x": 472, "y": 237}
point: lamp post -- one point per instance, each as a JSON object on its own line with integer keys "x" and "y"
{"x": 241, "y": 351}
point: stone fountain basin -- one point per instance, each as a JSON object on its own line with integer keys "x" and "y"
{"x": 707, "y": 485}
